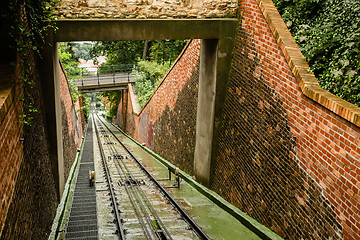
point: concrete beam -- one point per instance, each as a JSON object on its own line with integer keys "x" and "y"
{"x": 124, "y": 101}
{"x": 143, "y": 29}
{"x": 215, "y": 60}
{"x": 58, "y": 117}
{"x": 104, "y": 89}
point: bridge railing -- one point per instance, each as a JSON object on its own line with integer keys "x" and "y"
{"x": 107, "y": 74}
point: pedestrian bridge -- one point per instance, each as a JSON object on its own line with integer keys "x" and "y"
{"x": 105, "y": 78}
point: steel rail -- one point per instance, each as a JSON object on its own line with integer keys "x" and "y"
{"x": 132, "y": 194}
{"x": 149, "y": 205}
{"x": 129, "y": 176}
{"x": 146, "y": 232}
{"x": 113, "y": 199}
{"x": 187, "y": 218}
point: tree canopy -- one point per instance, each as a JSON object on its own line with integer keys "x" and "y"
{"x": 328, "y": 34}
{"x": 125, "y": 52}
{"x": 118, "y": 52}
{"x": 152, "y": 60}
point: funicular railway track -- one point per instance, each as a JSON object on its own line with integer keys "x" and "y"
{"x": 154, "y": 213}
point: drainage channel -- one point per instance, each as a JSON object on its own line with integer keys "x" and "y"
{"x": 146, "y": 210}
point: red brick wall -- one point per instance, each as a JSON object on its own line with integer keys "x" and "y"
{"x": 71, "y": 122}
{"x": 27, "y": 174}
{"x": 11, "y": 152}
{"x": 290, "y": 161}
{"x": 283, "y": 158}
{"x": 167, "y": 122}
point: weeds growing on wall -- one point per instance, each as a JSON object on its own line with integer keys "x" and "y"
{"x": 114, "y": 98}
{"x": 70, "y": 65}
{"x": 328, "y": 33}
{"x": 29, "y": 21}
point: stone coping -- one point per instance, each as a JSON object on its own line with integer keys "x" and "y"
{"x": 141, "y": 9}
{"x": 307, "y": 81}
{"x": 7, "y": 93}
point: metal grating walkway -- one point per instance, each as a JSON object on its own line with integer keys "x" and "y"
{"x": 83, "y": 218}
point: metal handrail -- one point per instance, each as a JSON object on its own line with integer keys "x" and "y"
{"x": 115, "y": 72}
{"x": 123, "y": 68}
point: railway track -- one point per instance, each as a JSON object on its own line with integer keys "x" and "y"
{"x": 141, "y": 206}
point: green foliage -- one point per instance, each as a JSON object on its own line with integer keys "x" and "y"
{"x": 328, "y": 33}
{"x": 66, "y": 55}
{"x": 118, "y": 52}
{"x": 114, "y": 98}
{"x": 166, "y": 51}
{"x": 86, "y": 104}
{"x": 82, "y": 50}
{"x": 150, "y": 74}
{"x": 95, "y": 97}
{"x": 125, "y": 52}
{"x": 29, "y": 21}
{"x": 88, "y": 99}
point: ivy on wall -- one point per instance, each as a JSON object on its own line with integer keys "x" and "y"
{"x": 328, "y": 34}
{"x": 29, "y": 21}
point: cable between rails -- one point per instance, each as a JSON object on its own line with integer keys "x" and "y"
{"x": 187, "y": 218}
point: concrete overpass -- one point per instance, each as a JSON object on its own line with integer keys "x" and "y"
{"x": 105, "y": 78}
{"x": 216, "y": 48}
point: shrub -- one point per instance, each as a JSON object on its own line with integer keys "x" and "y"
{"x": 149, "y": 76}
{"x": 328, "y": 34}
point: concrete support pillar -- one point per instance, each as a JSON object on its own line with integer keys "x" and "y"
{"x": 215, "y": 62}
{"x": 124, "y": 96}
{"x": 82, "y": 115}
{"x": 205, "y": 110}
{"x": 50, "y": 83}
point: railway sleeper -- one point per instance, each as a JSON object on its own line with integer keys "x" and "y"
{"x": 132, "y": 182}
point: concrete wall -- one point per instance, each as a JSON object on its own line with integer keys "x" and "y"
{"x": 167, "y": 123}
{"x": 283, "y": 158}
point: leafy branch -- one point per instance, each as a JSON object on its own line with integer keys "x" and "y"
{"x": 328, "y": 34}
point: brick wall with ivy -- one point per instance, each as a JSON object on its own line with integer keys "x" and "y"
{"x": 28, "y": 176}
{"x": 11, "y": 132}
{"x": 284, "y": 159}
{"x": 28, "y": 193}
